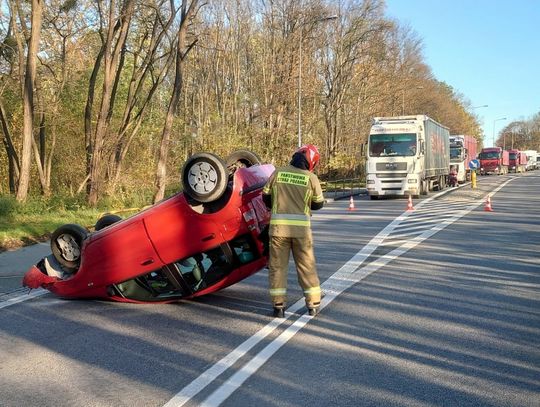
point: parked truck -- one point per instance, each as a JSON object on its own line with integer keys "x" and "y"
{"x": 493, "y": 160}
{"x": 462, "y": 151}
{"x": 531, "y": 159}
{"x": 407, "y": 155}
{"x": 517, "y": 161}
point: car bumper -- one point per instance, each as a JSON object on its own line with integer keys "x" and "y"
{"x": 34, "y": 278}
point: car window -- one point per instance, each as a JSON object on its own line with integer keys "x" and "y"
{"x": 154, "y": 286}
{"x": 244, "y": 249}
{"x": 205, "y": 269}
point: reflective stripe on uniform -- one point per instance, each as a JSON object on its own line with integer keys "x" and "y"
{"x": 274, "y": 292}
{"x": 313, "y": 290}
{"x": 318, "y": 198}
{"x": 287, "y": 222}
{"x": 290, "y": 219}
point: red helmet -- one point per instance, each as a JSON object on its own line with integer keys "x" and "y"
{"x": 311, "y": 153}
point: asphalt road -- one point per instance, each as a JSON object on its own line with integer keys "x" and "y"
{"x": 439, "y": 306}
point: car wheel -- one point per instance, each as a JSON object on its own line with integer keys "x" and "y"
{"x": 66, "y": 244}
{"x": 106, "y": 220}
{"x": 204, "y": 177}
{"x": 241, "y": 159}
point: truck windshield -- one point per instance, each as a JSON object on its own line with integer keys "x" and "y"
{"x": 489, "y": 155}
{"x": 513, "y": 156}
{"x": 455, "y": 153}
{"x": 383, "y": 145}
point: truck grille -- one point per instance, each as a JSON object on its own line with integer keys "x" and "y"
{"x": 393, "y": 175}
{"x": 391, "y": 166}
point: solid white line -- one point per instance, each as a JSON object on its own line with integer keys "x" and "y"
{"x": 21, "y": 298}
{"x": 208, "y": 376}
{"x": 335, "y": 285}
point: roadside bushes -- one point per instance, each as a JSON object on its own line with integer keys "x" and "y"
{"x": 8, "y": 206}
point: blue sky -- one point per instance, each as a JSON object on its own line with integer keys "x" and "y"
{"x": 488, "y": 50}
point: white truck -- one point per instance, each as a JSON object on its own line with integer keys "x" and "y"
{"x": 462, "y": 151}
{"x": 407, "y": 155}
{"x": 531, "y": 160}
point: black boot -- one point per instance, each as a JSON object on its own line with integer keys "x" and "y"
{"x": 279, "y": 313}
{"x": 313, "y": 311}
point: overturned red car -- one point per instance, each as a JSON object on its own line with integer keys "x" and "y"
{"x": 194, "y": 243}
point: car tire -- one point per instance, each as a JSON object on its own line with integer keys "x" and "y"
{"x": 204, "y": 177}
{"x": 241, "y": 159}
{"x": 66, "y": 245}
{"x": 106, "y": 220}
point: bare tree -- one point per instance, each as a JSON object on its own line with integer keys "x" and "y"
{"x": 148, "y": 62}
{"x": 342, "y": 66}
{"x": 113, "y": 31}
{"x": 187, "y": 13}
{"x": 28, "y": 99}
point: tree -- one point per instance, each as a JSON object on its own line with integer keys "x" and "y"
{"x": 28, "y": 98}
{"x": 183, "y": 47}
{"x": 113, "y": 33}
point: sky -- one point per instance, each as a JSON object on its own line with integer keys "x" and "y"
{"x": 487, "y": 50}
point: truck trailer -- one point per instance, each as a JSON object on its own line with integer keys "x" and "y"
{"x": 531, "y": 159}
{"x": 517, "y": 161}
{"x": 462, "y": 151}
{"x": 493, "y": 160}
{"x": 407, "y": 155}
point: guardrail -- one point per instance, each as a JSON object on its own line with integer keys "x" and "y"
{"x": 343, "y": 188}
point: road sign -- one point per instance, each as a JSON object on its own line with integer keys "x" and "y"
{"x": 474, "y": 164}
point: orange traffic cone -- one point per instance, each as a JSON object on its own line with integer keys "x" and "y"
{"x": 487, "y": 206}
{"x": 351, "y": 204}
{"x": 410, "y": 206}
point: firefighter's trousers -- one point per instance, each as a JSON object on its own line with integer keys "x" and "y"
{"x": 278, "y": 265}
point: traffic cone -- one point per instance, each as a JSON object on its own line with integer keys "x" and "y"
{"x": 351, "y": 204}
{"x": 487, "y": 206}
{"x": 410, "y": 206}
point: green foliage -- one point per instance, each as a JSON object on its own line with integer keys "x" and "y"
{"x": 8, "y": 205}
{"x": 33, "y": 221}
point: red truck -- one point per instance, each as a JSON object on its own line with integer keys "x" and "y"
{"x": 518, "y": 161}
{"x": 494, "y": 160}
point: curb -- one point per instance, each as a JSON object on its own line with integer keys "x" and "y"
{"x": 346, "y": 195}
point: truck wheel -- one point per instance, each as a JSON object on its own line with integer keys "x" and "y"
{"x": 204, "y": 177}
{"x": 424, "y": 187}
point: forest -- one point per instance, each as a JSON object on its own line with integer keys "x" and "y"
{"x": 105, "y": 99}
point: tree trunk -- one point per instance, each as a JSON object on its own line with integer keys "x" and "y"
{"x": 13, "y": 159}
{"x": 28, "y": 100}
{"x": 111, "y": 66}
{"x": 181, "y": 53}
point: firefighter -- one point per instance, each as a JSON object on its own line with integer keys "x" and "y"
{"x": 291, "y": 193}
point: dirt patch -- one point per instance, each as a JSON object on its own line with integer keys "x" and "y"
{"x": 14, "y": 244}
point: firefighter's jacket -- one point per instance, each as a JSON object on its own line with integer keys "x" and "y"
{"x": 294, "y": 193}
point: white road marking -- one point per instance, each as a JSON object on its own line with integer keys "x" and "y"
{"x": 21, "y": 298}
{"x": 348, "y": 275}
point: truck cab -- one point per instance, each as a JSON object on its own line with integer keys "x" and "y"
{"x": 406, "y": 155}
{"x": 494, "y": 160}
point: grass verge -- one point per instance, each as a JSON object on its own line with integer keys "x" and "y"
{"x": 33, "y": 222}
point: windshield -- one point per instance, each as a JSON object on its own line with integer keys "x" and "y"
{"x": 513, "y": 156}
{"x": 455, "y": 153}
{"x": 489, "y": 155}
{"x": 383, "y": 145}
